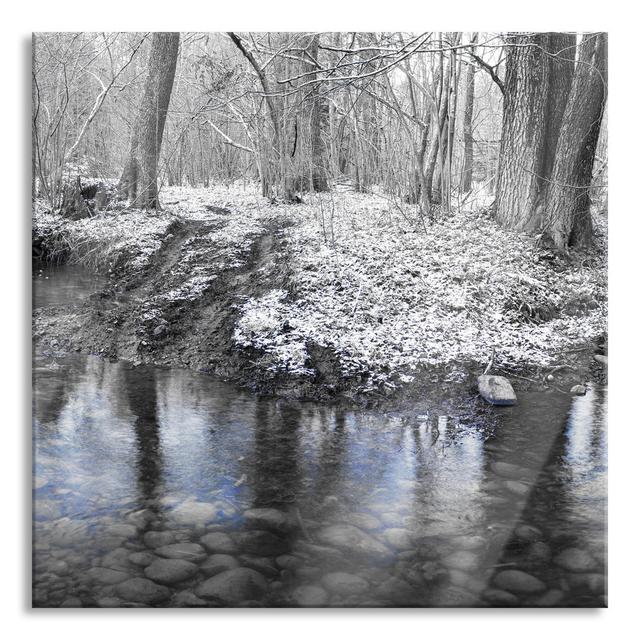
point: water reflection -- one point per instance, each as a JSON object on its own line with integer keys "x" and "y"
{"x": 423, "y": 510}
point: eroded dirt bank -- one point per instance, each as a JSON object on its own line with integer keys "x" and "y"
{"x": 238, "y": 292}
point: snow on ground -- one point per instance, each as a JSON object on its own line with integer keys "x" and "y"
{"x": 382, "y": 288}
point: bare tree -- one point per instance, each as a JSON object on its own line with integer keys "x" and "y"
{"x": 139, "y": 180}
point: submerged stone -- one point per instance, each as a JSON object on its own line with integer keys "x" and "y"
{"x": 183, "y": 551}
{"x": 142, "y": 590}
{"x": 217, "y": 563}
{"x": 269, "y": 519}
{"x": 192, "y": 513}
{"x": 233, "y": 587}
{"x": 496, "y": 390}
{"x": 518, "y": 582}
{"x": 575, "y": 559}
{"x": 218, "y": 542}
{"x": 344, "y": 583}
{"x": 309, "y": 596}
{"x": 353, "y": 540}
{"x": 170, "y": 571}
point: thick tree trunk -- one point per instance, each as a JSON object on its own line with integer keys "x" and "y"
{"x": 522, "y": 148}
{"x": 139, "y": 181}
{"x": 568, "y": 220}
{"x": 539, "y": 69}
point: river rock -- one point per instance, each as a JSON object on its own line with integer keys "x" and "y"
{"x": 551, "y": 598}
{"x": 187, "y": 599}
{"x": 233, "y": 586}
{"x": 577, "y": 560}
{"x": 433, "y": 571}
{"x": 496, "y": 390}
{"x": 142, "y": 558}
{"x": 500, "y": 598}
{"x": 469, "y": 543}
{"x": 142, "y": 590}
{"x": 345, "y": 584}
{"x": 192, "y": 513}
{"x": 364, "y": 521}
{"x": 262, "y": 543}
{"x": 518, "y": 582}
{"x": 269, "y": 519}
{"x": 218, "y": 542}
{"x": 71, "y": 603}
{"x": 578, "y": 390}
{"x": 104, "y": 575}
{"x": 309, "y": 596}
{"x": 353, "y": 540}
{"x": 170, "y": 571}
{"x": 155, "y": 539}
{"x": 517, "y": 487}
{"x": 527, "y": 533}
{"x": 266, "y": 566}
{"x": 538, "y": 553}
{"x": 217, "y": 563}
{"x": 462, "y": 560}
{"x": 190, "y": 551}
{"x": 604, "y": 360}
{"x": 397, "y": 591}
{"x": 397, "y": 538}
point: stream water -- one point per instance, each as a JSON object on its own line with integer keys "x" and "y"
{"x": 164, "y": 487}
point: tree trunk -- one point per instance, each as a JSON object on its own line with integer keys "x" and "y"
{"x": 568, "y": 220}
{"x": 139, "y": 181}
{"x": 319, "y": 120}
{"x": 522, "y": 148}
{"x": 467, "y": 126}
{"x": 539, "y": 69}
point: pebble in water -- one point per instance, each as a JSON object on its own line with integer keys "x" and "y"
{"x": 170, "y": 571}
{"x": 344, "y": 583}
{"x": 576, "y": 560}
{"x": 233, "y": 586}
{"x": 183, "y": 551}
{"x": 217, "y": 563}
{"x": 218, "y": 542}
{"x": 518, "y": 582}
{"x": 142, "y": 590}
{"x": 309, "y": 596}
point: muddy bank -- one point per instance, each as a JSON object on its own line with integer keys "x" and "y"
{"x": 181, "y": 309}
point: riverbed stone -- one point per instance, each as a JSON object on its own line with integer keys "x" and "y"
{"x": 496, "y": 390}
{"x": 517, "y": 487}
{"x": 170, "y": 571}
{"x": 518, "y": 581}
{"x": 269, "y": 519}
{"x": 142, "y": 590}
{"x": 397, "y": 591}
{"x": 397, "y": 538}
{"x": 233, "y": 586}
{"x": 462, "y": 560}
{"x": 344, "y": 583}
{"x": 266, "y": 566}
{"x": 578, "y": 390}
{"x": 192, "y": 513}
{"x": 263, "y": 543}
{"x": 190, "y": 551}
{"x": 116, "y": 559}
{"x": 218, "y": 542}
{"x": 217, "y": 563}
{"x": 576, "y": 560}
{"x": 104, "y": 575}
{"x": 500, "y": 598}
{"x": 155, "y": 539}
{"x": 551, "y": 598}
{"x": 309, "y": 596}
{"x": 142, "y": 558}
{"x": 353, "y": 540}
{"x": 527, "y": 533}
{"x": 187, "y": 599}
{"x": 364, "y": 521}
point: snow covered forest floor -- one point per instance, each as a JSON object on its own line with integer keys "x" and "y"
{"x": 390, "y": 294}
